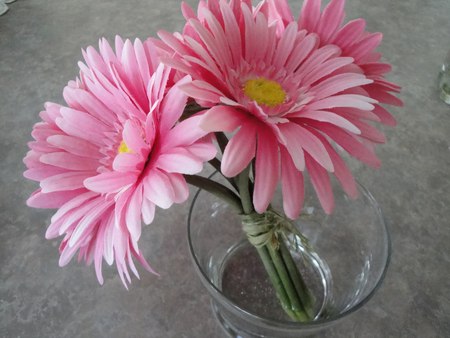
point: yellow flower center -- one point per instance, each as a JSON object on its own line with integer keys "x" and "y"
{"x": 123, "y": 148}
{"x": 264, "y": 91}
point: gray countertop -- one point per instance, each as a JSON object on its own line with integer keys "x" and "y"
{"x": 40, "y": 43}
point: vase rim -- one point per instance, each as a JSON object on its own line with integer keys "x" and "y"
{"x": 290, "y": 325}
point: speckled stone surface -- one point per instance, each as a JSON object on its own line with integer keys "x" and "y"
{"x": 40, "y": 43}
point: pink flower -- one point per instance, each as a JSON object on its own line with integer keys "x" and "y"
{"x": 353, "y": 41}
{"x": 113, "y": 154}
{"x": 282, "y": 91}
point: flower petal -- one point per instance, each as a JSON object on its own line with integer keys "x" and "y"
{"x": 221, "y": 118}
{"x": 266, "y": 170}
{"x": 321, "y": 183}
{"x": 72, "y": 180}
{"x": 292, "y": 186}
{"x": 110, "y": 182}
{"x": 133, "y": 214}
{"x": 158, "y": 189}
{"x": 239, "y": 151}
{"x": 179, "y": 160}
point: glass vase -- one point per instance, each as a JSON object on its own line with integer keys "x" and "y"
{"x": 343, "y": 265}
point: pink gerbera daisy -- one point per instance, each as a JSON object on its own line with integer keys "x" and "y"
{"x": 113, "y": 154}
{"x": 282, "y": 93}
{"x": 352, "y": 39}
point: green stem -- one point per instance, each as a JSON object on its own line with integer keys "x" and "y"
{"x": 222, "y": 141}
{"x": 276, "y": 281}
{"x": 191, "y": 108}
{"x": 290, "y": 288}
{"x": 305, "y": 296}
{"x": 216, "y": 189}
{"x": 272, "y": 260}
{"x": 243, "y": 184}
{"x": 285, "y": 277}
{"x": 217, "y": 165}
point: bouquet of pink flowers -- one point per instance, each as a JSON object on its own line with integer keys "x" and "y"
{"x": 262, "y": 97}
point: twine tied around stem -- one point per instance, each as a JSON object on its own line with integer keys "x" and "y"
{"x": 266, "y": 228}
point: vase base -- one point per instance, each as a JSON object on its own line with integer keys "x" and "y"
{"x": 249, "y": 287}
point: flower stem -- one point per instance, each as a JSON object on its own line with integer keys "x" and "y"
{"x": 295, "y": 298}
{"x": 276, "y": 281}
{"x": 305, "y": 295}
{"x": 216, "y": 189}
{"x": 222, "y": 141}
{"x": 286, "y": 279}
{"x": 243, "y": 182}
{"x": 217, "y": 165}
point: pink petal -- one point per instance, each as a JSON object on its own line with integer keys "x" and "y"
{"x": 108, "y": 252}
{"x": 132, "y": 135}
{"x": 292, "y": 186}
{"x": 42, "y": 172}
{"x": 285, "y": 45}
{"x": 349, "y": 142}
{"x": 84, "y": 121}
{"x": 66, "y": 255}
{"x": 314, "y": 147}
{"x": 98, "y": 254}
{"x": 173, "y": 105}
{"x": 127, "y": 162}
{"x": 384, "y": 97}
{"x": 89, "y": 221}
{"x": 341, "y": 171}
{"x": 148, "y": 211}
{"x": 131, "y": 69}
{"x": 82, "y": 100}
{"x": 82, "y": 198}
{"x": 331, "y": 19}
{"x": 110, "y": 182}
{"x": 376, "y": 68}
{"x": 143, "y": 63}
{"x": 385, "y": 117}
{"x": 70, "y": 161}
{"x": 197, "y": 93}
{"x": 281, "y": 9}
{"x": 310, "y": 15}
{"x": 133, "y": 214}
{"x": 325, "y": 116}
{"x": 184, "y": 133}
{"x": 343, "y": 100}
{"x": 51, "y": 200}
{"x": 349, "y": 33}
{"x": 179, "y": 160}
{"x": 72, "y": 218}
{"x": 301, "y": 51}
{"x": 158, "y": 189}
{"x": 339, "y": 83}
{"x": 266, "y": 170}
{"x": 66, "y": 181}
{"x": 180, "y": 188}
{"x": 239, "y": 151}
{"x": 222, "y": 118}
{"x": 356, "y": 114}
{"x": 203, "y": 150}
{"x": 75, "y": 145}
{"x": 232, "y": 31}
{"x": 369, "y": 132}
{"x": 326, "y": 68}
{"x": 294, "y": 144}
{"x": 321, "y": 183}
{"x": 364, "y": 46}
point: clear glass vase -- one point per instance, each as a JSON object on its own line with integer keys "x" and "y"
{"x": 343, "y": 266}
